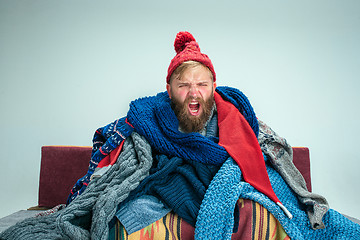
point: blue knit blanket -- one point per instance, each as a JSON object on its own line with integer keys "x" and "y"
{"x": 216, "y": 215}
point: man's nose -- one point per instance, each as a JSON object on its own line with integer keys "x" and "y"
{"x": 194, "y": 91}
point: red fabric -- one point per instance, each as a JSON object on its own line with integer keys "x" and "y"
{"x": 239, "y": 140}
{"x": 301, "y": 160}
{"x": 187, "y": 49}
{"x": 61, "y": 167}
{"x": 112, "y": 157}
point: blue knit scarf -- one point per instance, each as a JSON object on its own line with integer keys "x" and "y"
{"x": 153, "y": 118}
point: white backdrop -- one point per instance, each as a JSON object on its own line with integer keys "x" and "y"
{"x": 69, "y": 67}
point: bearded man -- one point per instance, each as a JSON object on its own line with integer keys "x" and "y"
{"x": 191, "y": 90}
{"x": 193, "y": 161}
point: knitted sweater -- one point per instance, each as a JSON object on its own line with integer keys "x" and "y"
{"x": 165, "y": 139}
{"x": 154, "y": 119}
{"x": 89, "y": 214}
{"x": 180, "y": 184}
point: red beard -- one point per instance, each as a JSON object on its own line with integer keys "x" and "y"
{"x": 187, "y": 122}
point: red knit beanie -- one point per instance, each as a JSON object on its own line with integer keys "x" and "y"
{"x": 187, "y": 49}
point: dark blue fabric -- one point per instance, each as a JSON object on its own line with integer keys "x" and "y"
{"x": 180, "y": 185}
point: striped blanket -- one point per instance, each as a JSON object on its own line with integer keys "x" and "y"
{"x": 256, "y": 222}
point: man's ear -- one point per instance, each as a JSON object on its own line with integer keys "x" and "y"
{"x": 214, "y": 85}
{"x": 168, "y": 87}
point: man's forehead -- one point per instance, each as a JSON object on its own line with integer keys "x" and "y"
{"x": 201, "y": 74}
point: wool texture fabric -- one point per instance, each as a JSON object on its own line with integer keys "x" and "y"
{"x": 88, "y": 216}
{"x": 280, "y": 154}
{"x": 180, "y": 184}
{"x": 187, "y": 49}
{"x": 106, "y": 141}
{"x": 162, "y": 132}
{"x": 215, "y": 219}
{"x": 236, "y": 136}
{"x": 153, "y": 118}
{"x": 140, "y": 212}
{"x": 75, "y": 220}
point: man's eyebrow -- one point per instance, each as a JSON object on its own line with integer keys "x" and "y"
{"x": 181, "y": 81}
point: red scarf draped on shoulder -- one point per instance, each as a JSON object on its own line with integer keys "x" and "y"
{"x": 239, "y": 140}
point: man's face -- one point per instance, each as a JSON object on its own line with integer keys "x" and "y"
{"x": 192, "y": 98}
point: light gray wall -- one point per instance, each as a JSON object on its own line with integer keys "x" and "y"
{"x": 69, "y": 67}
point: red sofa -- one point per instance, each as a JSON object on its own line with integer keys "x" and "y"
{"x": 62, "y": 166}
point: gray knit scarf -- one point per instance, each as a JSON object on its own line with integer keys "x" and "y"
{"x": 95, "y": 208}
{"x": 281, "y": 156}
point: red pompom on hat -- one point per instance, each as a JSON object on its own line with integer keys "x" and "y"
{"x": 187, "y": 49}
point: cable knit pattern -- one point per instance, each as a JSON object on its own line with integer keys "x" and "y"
{"x": 215, "y": 219}
{"x": 216, "y": 216}
{"x": 95, "y": 208}
{"x": 280, "y": 154}
{"x": 105, "y": 140}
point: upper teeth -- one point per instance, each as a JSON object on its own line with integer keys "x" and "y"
{"x": 193, "y": 107}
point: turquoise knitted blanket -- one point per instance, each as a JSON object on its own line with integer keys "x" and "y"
{"x": 216, "y": 216}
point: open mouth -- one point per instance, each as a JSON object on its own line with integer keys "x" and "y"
{"x": 194, "y": 108}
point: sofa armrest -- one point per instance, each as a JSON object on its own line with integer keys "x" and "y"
{"x": 62, "y": 166}
{"x": 301, "y": 159}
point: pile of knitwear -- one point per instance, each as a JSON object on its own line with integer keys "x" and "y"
{"x": 153, "y": 148}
